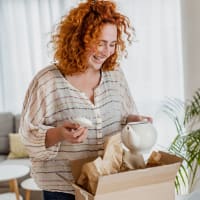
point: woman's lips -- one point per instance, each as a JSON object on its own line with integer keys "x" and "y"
{"x": 99, "y": 59}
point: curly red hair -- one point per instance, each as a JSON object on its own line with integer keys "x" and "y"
{"x": 80, "y": 28}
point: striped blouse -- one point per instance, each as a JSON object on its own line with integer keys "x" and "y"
{"x": 49, "y": 101}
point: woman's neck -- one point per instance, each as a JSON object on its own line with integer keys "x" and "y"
{"x": 90, "y": 79}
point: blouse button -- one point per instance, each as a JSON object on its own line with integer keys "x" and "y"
{"x": 99, "y": 120}
{"x": 99, "y": 135}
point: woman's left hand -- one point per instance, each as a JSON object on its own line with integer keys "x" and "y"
{"x": 138, "y": 118}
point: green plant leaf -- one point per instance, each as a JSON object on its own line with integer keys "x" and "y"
{"x": 186, "y": 144}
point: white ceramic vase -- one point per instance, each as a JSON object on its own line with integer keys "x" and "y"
{"x": 139, "y": 136}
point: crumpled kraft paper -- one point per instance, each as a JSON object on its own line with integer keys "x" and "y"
{"x": 109, "y": 164}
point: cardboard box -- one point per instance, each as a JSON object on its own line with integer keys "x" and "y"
{"x": 155, "y": 183}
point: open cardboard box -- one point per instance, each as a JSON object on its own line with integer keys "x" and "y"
{"x": 155, "y": 183}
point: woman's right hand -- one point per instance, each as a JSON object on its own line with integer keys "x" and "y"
{"x": 68, "y": 131}
{"x": 72, "y": 132}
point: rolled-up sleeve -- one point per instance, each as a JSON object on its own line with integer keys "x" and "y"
{"x": 128, "y": 104}
{"x": 32, "y": 124}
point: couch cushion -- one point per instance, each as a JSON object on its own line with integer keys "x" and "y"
{"x": 6, "y": 126}
{"x": 17, "y": 148}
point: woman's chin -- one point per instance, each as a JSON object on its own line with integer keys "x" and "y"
{"x": 96, "y": 67}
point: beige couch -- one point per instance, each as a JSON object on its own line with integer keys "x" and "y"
{"x": 9, "y": 123}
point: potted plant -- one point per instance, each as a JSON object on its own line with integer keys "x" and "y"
{"x": 186, "y": 117}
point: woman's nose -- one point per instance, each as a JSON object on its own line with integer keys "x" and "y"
{"x": 107, "y": 51}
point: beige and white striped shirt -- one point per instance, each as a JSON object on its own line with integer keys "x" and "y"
{"x": 50, "y": 100}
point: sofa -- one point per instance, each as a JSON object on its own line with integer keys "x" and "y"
{"x": 9, "y": 123}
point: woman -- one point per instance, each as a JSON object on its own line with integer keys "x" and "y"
{"x": 85, "y": 81}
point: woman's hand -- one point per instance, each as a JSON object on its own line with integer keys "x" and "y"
{"x": 69, "y": 131}
{"x": 138, "y": 118}
{"x": 73, "y": 132}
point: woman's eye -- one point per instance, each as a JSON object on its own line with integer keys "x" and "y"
{"x": 104, "y": 45}
{"x": 100, "y": 44}
{"x": 112, "y": 45}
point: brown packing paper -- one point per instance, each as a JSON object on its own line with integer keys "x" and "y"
{"x": 113, "y": 153}
{"x": 109, "y": 164}
{"x": 89, "y": 175}
{"x": 154, "y": 159}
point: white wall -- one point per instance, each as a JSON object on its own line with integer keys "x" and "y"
{"x": 191, "y": 45}
{"x": 191, "y": 51}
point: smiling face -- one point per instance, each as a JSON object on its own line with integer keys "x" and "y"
{"x": 104, "y": 47}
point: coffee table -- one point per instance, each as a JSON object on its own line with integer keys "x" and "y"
{"x": 11, "y": 173}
